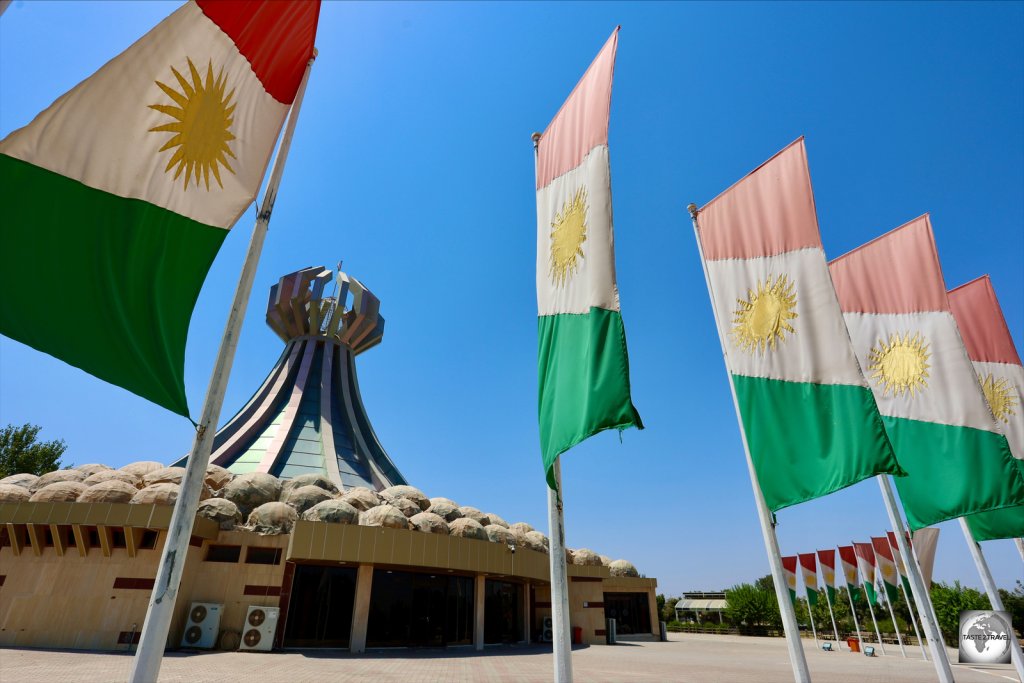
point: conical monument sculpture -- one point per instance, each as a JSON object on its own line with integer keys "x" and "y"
{"x": 308, "y": 417}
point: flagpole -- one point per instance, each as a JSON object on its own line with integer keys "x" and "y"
{"x": 853, "y": 608}
{"x": 796, "y": 650}
{"x": 835, "y": 629}
{"x": 892, "y": 615}
{"x": 867, "y": 596}
{"x": 913, "y": 620}
{"x": 810, "y": 613}
{"x": 1019, "y": 542}
{"x": 925, "y": 611}
{"x": 993, "y": 594}
{"x": 149, "y": 656}
{"x": 560, "y": 637}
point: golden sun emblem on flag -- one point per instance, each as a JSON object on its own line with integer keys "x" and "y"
{"x": 202, "y": 115}
{"x": 1000, "y": 398}
{"x": 887, "y": 572}
{"x": 901, "y": 364}
{"x": 568, "y": 233}
{"x": 762, "y": 320}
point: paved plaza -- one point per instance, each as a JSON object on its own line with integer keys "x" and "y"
{"x": 685, "y": 658}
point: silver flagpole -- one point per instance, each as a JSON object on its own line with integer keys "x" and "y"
{"x": 835, "y": 629}
{"x": 892, "y": 615}
{"x": 810, "y": 615}
{"x": 1019, "y": 542}
{"x": 796, "y": 650}
{"x": 993, "y": 595}
{"x": 913, "y": 620}
{"x": 560, "y": 637}
{"x": 867, "y": 596}
{"x": 929, "y": 623}
{"x": 853, "y": 608}
{"x": 149, "y": 656}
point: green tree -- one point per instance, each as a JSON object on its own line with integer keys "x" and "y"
{"x": 20, "y": 452}
{"x": 765, "y": 583}
{"x": 668, "y": 610}
{"x": 1013, "y": 601}
{"x": 752, "y": 606}
{"x": 949, "y": 601}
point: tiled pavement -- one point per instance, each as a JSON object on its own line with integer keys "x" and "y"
{"x": 686, "y": 659}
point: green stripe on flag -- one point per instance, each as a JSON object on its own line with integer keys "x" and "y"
{"x": 126, "y": 273}
{"x": 1006, "y": 522}
{"x": 583, "y": 371}
{"x": 831, "y": 594}
{"x": 824, "y": 438}
{"x": 952, "y": 471}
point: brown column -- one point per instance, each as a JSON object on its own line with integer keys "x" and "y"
{"x": 478, "y": 605}
{"x": 527, "y": 612}
{"x": 361, "y": 609}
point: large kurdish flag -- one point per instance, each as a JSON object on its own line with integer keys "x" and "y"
{"x": 810, "y": 420}
{"x": 886, "y": 566}
{"x": 894, "y": 301}
{"x": 125, "y": 187}
{"x": 866, "y": 564}
{"x": 583, "y": 369}
{"x": 994, "y": 356}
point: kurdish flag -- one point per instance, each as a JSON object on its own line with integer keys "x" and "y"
{"x": 894, "y": 301}
{"x": 887, "y": 567}
{"x": 126, "y": 186}
{"x": 810, "y": 420}
{"x": 849, "y": 561}
{"x": 900, "y": 566}
{"x": 789, "y": 571}
{"x": 810, "y": 571}
{"x": 827, "y": 560}
{"x": 582, "y": 365}
{"x": 994, "y": 356}
{"x": 866, "y": 564}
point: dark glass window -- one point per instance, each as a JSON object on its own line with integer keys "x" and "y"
{"x": 117, "y": 539}
{"x": 47, "y": 538}
{"x": 631, "y": 612}
{"x": 409, "y": 609}
{"x": 148, "y": 540}
{"x": 92, "y": 536}
{"x": 503, "y": 612}
{"x": 223, "y": 553}
{"x": 320, "y": 607}
{"x": 263, "y": 555}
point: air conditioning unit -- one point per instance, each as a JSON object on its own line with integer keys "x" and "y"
{"x": 259, "y": 628}
{"x": 547, "y": 633}
{"x": 203, "y": 625}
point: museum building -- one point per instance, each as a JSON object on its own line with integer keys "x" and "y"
{"x": 307, "y": 536}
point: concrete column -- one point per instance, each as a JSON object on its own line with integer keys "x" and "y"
{"x": 361, "y": 609}
{"x": 478, "y": 611}
{"x": 526, "y": 612}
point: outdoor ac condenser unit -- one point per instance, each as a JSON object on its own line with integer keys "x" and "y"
{"x": 546, "y": 633}
{"x": 203, "y": 625}
{"x": 260, "y": 626}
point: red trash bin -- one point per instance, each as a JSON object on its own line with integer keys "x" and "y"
{"x": 577, "y": 635}
{"x": 853, "y": 643}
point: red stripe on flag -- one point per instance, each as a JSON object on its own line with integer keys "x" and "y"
{"x": 865, "y": 552}
{"x": 981, "y": 323}
{"x": 827, "y": 558}
{"x": 276, "y": 37}
{"x": 881, "y": 546}
{"x": 847, "y": 555}
{"x": 789, "y": 564}
{"x": 808, "y": 563}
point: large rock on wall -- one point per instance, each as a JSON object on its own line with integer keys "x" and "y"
{"x": 535, "y": 540}
{"x": 164, "y": 493}
{"x": 249, "y": 491}
{"x": 25, "y": 480}
{"x": 474, "y": 514}
{"x": 445, "y": 508}
{"x": 467, "y": 528}
{"x": 169, "y": 475}
{"x": 12, "y": 493}
{"x": 58, "y": 476}
{"x": 409, "y": 493}
{"x": 113, "y": 475}
{"x": 499, "y": 534}
{"x": 495, "y": 519}
{"x": 585, "y": 557}
{"x": 304, "y": 497}
{"x": 217, "y": 477}
{"x": 623, "y": 568}
{"x": 361, "y": 498}
{"x": 110, "y": 491}
{"x": 220, "y": 510}
{"x": 384, "y": 515}
{"x": 429, "y": 523}
{"x": 520, "y": 528}
{"x": 312, "y": 479}
{"x": 334, "y": 511}
{"x": 58, "y": 492}
{"x": 408, "y": 508}
{"x": 142, "y": 467}
{"x": 91, "y": 468}
{"x": 272, "y": 518}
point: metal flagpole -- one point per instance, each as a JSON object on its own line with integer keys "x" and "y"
{"x": 867, "y": 596}
{"x": 913, "y": 620}
{"x": 814, "y": 631}
{"x": 835, "y": 629}
{"x": 892, "y": 615}
{"x": 148, "y": 657}
{"x": 1019, "y": 542}
{"x": 993, "y": 595}
{"x": 560, "y": 637}
{"x": 853, "y": 608}
{"x": 796, "y": 650}
{"x": 929, "y": 623}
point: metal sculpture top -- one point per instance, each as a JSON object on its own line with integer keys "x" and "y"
{"x": 308, "y": 416}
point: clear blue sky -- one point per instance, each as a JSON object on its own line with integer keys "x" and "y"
{"x": 413, "y": 162}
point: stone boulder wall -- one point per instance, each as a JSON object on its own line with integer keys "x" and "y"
{"x": 585, "y": 557}
{"x": 444, "y": 508}
{"x": 429, "y": 523}
{"x": 304, "y": 497}
{"x": 361, "y": 498}
{"x": 12, "y": 493}
{"x": 113, "y": 475}
{"x": 24, "y": 480}
{"x": 222, "y": 511}
{"x": 568, "y": 555}
{"x": 606, "y": 561}
{"x": 495, "y": 519}
{"x": 535, "y": 540}
{"x": 110, "y": 491}
{"x": 142, "y": 467}
{"x": 384, "y": 515}
{"x": 499, "y": 534}
{"x": 333, "y": 511}
{"x": 467, "y": 527}
{"x": 168, "y": 475}
{"x": 57, "y": 476}
{"x": 474, "y": 514}
{"x": 92, "y": 468}
{"x": 164, "y": 493}
{"x": 272, "y": 518}
{"x": 623, "y": 568}
{"x": 249, "y": 491}
{"x": 520, "y": 528}
{"x": 409, "y": 493}
{"x": 408, "y": 508}
{"x": 312, "y": 479}
{"x": 217, "y": 477}
{"x": 58, "y": 492}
